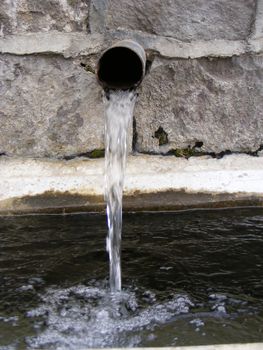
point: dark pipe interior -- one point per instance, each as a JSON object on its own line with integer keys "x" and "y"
{"x": 120, "y": 68}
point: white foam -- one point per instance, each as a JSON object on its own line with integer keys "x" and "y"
{"x": 82, "y": 316}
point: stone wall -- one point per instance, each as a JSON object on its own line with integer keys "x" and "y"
{"x": 203, "y": 93}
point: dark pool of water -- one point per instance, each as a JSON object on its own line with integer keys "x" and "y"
{"x": 189, "y": 278}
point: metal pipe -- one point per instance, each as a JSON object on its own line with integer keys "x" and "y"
{"x": 122, "y": 66}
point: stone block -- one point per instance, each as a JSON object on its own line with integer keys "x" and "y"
{"x": 184, "y": 20}
{"x": 22, "y": 16}
{"x": 49, "y": 107}
{"x": 215, "y": 105}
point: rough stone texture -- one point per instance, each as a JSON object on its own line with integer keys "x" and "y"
{"x": 97, "y": 13}
{"x": 217, "y": 102}
{"x": 20, "y": 16}
{"x": 52, "y": 107}
{"x": 49, "y": 106}
{"x": 184, "y": 19}
{"x": 258, "y": 23}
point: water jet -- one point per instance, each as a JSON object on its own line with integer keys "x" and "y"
{"x": 120, "y": 70}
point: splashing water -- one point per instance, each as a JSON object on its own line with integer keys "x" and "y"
{"x": 85, "y": 316}
{"x": 119, "y": 111}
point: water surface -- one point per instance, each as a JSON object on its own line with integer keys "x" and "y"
{"x": 189, "y": 278}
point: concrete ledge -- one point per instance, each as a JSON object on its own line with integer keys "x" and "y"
{"x": 79, "y": 44}
{"x": 66, "y": 44}
{"x": 250, "y": 346}
{"x": 173, "y": 48}
{"x": 152, "y": 183}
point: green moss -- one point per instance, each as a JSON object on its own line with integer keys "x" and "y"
{"x": 97, "y": 153}
{"x": 90, "y": 69}
{"x": 162, "y": 136}
{"x": 185, "y": 152}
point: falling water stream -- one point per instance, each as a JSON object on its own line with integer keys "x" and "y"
{"x": 118, "y": 116}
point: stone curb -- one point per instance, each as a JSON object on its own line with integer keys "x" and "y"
{"x": 161, "y": 183}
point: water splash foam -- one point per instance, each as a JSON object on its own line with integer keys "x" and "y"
{"x": 81, "y": 316}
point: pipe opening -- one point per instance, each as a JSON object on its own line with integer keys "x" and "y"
{"x": 120, "y": 68}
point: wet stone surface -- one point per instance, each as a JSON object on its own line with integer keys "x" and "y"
{"x": 203, "y": 286}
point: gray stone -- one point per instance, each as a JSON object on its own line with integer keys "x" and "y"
{"x": 97, "y": 13}
{"x": 216, "y": 104}
{"x": 21, "y": 16}
{"x": 258, "y": 23}
{"x": 184, "y": 19}
{"x": 49, "y": 107}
